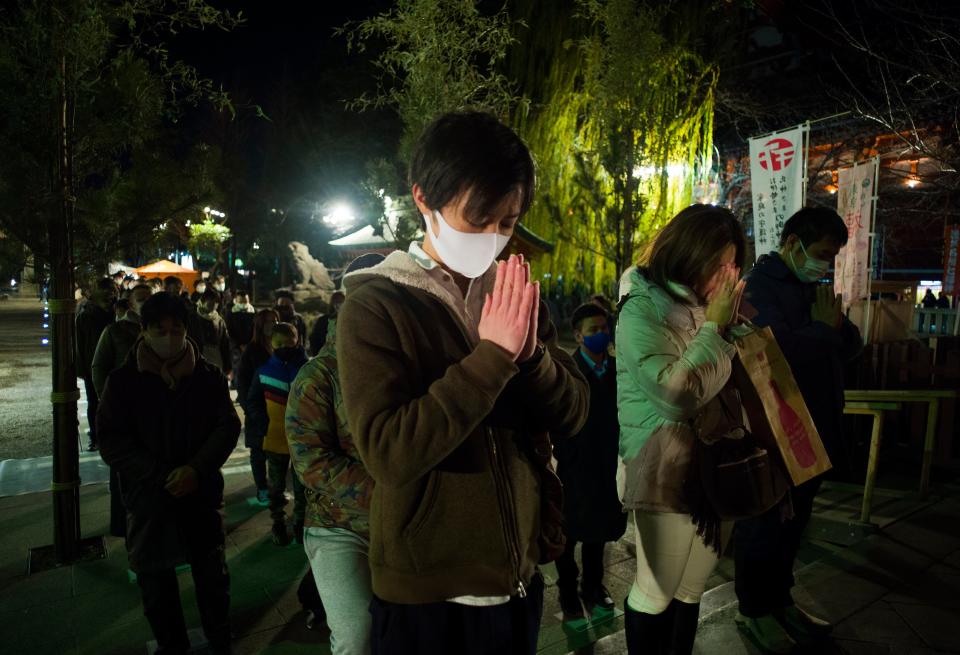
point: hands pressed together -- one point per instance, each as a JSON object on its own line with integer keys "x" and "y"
{"x": 827, "y": 307}
{"x": 723, "y": 303}
{"x": 511, "y": 313}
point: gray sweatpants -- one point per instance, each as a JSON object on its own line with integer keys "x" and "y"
{"x": 338, "y": 558}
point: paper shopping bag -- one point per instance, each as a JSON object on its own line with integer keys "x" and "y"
{"x": 775, "y": 408}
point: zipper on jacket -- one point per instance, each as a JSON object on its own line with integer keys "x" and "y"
{"x": 501, "y": 481}
{"x": 500, "y": 475}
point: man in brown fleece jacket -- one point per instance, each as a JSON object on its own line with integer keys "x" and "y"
{"x": 449, "y": 362}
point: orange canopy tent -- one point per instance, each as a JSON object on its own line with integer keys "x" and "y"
{"x": 165, "y": 267}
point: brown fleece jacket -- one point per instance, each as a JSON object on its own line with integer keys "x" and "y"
{"x": 440, "y": 424}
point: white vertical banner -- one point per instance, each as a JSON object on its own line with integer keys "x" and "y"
{"x": 778, "y": 176}
{"x": 856, "y": 194}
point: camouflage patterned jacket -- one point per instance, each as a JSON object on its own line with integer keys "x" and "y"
{"x": 322, "y": 451}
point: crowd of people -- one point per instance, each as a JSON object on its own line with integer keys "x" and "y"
{"x": 427, "y": 438}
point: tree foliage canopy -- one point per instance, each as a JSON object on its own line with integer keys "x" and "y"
{"x": 621, "y": 127}
{"x": 123, "y": 88}
{"x": 432, "y": 57}
{"x": 612, "y": 96}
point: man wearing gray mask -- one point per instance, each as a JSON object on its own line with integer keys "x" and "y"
{"x": 785, "y": 292}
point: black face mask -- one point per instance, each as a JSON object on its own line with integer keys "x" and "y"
{"x": 285, "y": 312}
{"x": 287, "y": 353}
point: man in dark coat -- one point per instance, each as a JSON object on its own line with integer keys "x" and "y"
{"x": 239, "y": 318}
{"x": 167, "y": 425}
{"x": 92, "y": 319}
{"x": 114, "y": 347}
{"x": 784, "y": 293}
{"x": 174, "y": 286}
{"x": 587, "y": 466}
{"x": 287, "y": 310}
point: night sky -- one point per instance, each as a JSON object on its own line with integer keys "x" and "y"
{"x": 286, "y": 59}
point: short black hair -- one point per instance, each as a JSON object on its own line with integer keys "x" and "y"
{"x": 812, "y": 224}
{"x": 585, "y": 311}
{"x": 471, "y": 151}
{"x": 172, "y": 279}
{"x": 283, "y": 293}
{"x": 160, "y": 306}
{"x": 144, "y": 287}
{"x": 287, "y": 330}
{"x": 210, "y": 294}
{"x": 106, "y": 284}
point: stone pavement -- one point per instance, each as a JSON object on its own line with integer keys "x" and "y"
{"x": 897, "y": 591}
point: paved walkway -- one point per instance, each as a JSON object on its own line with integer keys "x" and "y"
{"x": 894, "y": 592}
{"x": 897, "y": 591}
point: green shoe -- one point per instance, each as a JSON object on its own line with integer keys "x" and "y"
{"x": 803, "y": 627}
{"x": 767, "y": 633}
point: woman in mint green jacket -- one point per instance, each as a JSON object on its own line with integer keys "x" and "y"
{"x": 672, "y": 361}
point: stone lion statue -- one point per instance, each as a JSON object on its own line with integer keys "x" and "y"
{"x": 310, "y": 273}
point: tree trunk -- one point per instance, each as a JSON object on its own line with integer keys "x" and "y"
{"x": 66, "y": 455}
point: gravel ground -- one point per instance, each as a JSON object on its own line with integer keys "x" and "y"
{"x": 26, "y": 420}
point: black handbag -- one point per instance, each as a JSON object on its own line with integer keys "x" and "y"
{"x": 739, "y": 477}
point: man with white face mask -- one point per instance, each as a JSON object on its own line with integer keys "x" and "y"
{"x": 167, "y": 425}
{"x": 785, "y": 291}
{"x": 450, "y": 370}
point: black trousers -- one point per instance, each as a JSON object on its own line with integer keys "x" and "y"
{"x": 161, "y": 603}
{"x": 591, "y": 555}
{"x": 765, "y": 550}
{"x": 118, "y": 512}
{"x": 427, "y": 629}
{"x": 93, "y": 401}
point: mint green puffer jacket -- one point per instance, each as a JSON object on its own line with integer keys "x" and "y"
{"x": 671, "y": 363}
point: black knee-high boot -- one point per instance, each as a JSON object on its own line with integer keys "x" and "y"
{"x": 683, "y": 631}
{"x": 646, "y": 633}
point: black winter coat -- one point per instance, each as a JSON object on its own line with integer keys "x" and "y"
{"x": 254, "y": 356}
{"x": 240, "y": 327}
{"x": 91, "y": 321}
{"x": 145, "y": 431}
{"x": 587, "y": 464}
{"x": 815, "y": 351}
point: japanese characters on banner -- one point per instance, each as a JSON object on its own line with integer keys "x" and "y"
{"x": 856, "y": 191}
{"x": 778, "y": 170}
{"x": 951, "y": 253}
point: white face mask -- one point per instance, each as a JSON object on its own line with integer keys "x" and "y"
{"x": 469, "y": 254}
{"x": 167, "y": 346}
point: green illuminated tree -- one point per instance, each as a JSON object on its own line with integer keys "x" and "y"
{"x": 621, "y": 124}
{"x": 209, "y": 238}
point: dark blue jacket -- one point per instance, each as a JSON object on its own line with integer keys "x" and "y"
{"x": 267, "y": 398}
{"x": 587, "y": 463}
{"x": 815, "y": 351}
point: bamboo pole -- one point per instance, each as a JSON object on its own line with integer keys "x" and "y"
{"x": 66, "y": 455}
